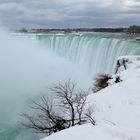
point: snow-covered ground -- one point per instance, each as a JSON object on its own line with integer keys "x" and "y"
{"x": 116, "y": 108}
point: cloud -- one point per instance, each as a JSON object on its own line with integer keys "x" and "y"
{"x": 69, "y": 13}
{"x": 132, "y": 3}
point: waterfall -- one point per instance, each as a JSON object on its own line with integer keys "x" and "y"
{"x": 96, "y": 54}
{"x": 30, "y": 63}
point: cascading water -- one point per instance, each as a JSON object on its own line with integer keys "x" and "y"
{"x": 28, "y": 68}
{"x": 96, "y": 54}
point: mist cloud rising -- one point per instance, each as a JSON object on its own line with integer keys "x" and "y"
{"x": 27, "y": 70}
{"x": 72, "y": 13}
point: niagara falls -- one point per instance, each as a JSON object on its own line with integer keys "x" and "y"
{"x": 38, "y": 61}
{"x": 69, "y": 70}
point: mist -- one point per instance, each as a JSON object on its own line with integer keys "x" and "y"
{"x": 27, "y": 70}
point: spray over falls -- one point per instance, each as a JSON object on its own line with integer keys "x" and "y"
{"x": 26, "y": 71}
{"x": 28, "y": 68}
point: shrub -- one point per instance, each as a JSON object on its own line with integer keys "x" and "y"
{"x": 100, "y": 82}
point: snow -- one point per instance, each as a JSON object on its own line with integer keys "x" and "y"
{"x": 116, "y": 108}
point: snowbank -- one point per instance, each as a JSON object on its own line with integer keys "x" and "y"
{"x": 116, "y": 108}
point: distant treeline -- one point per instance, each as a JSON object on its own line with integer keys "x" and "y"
{"x": 132, "y": 29}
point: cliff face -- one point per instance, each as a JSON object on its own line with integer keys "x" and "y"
{"x": 116, "y": 108}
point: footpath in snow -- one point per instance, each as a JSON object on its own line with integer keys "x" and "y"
{"x": 116, "y": 108}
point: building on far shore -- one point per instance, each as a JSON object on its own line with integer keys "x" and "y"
{"x": 133, "y": 29}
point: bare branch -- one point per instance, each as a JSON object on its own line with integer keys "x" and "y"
{"x": 68, "y": 109}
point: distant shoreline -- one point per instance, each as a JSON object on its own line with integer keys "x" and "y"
{"x": 130, "y": 30}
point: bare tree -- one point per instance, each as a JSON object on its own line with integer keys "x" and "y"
{"x": 46, "y": 120}
{"x": 65, "y": 94}
{"x": 71, "y": 104}
{"x": 89, "y": 115}
{"x": 80, "y": 106}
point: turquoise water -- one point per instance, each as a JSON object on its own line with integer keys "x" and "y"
{"x": 30, "y": 63}
{"x": 96, "y": 53}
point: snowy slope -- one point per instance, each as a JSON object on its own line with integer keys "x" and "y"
{"x": 116, "y": 108}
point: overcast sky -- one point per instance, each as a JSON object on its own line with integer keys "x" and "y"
{"x": 69, "y": 13}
